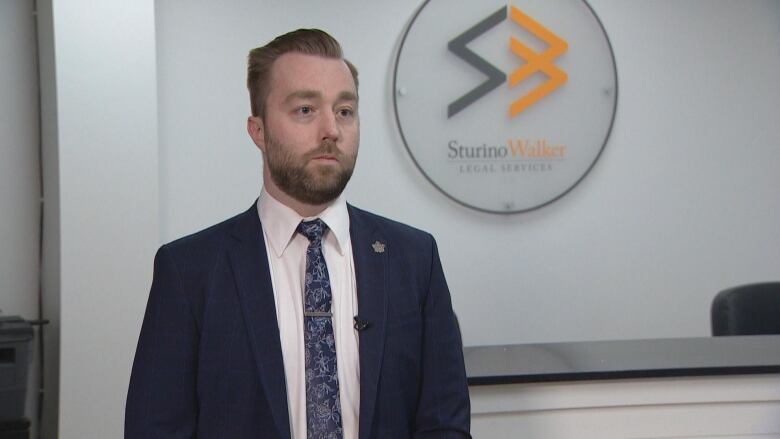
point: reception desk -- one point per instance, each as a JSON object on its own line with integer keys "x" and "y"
{"x": 714, "y": 387}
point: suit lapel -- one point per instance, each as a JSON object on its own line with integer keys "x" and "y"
{"x": 369, "y": 249}
{"x": 248, "y": 258}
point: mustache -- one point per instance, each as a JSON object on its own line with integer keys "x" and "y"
{"x": 326, "y": 147}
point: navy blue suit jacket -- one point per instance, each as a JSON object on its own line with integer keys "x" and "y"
{"x": 209, "y": 361}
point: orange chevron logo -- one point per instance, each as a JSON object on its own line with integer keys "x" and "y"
{"x": 535, "y": 62}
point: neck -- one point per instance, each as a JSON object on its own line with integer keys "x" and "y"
{"x": 302, "y": 209}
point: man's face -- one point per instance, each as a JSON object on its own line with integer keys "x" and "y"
{"x": 310, "y": 129}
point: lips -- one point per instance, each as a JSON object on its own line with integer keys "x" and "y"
{"x": 325, "y": 157}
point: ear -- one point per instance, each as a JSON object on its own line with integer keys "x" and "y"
{"x": 256, "y": 130}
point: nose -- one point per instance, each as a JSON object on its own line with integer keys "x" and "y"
{"x": 329, "y": 126}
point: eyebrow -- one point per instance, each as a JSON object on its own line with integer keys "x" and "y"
{"x": 303, "y": 94}
{"x": 313, "y": 94}
{"x": 347, "y": 96}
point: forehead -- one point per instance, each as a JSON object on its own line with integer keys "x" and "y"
{"x": 297, "y": 71}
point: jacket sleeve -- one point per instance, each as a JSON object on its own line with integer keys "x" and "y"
{"x": 161, "y": 399}
{"x": 444, "y": 409}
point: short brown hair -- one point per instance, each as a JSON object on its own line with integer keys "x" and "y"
{"x": 261, "y": 59}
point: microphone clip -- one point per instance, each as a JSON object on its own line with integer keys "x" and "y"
{"x": 361, "y": 324}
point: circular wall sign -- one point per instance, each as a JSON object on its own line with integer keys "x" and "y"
{"x": 505, "y": 107}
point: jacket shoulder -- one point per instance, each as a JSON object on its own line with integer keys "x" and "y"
{"x": 205, "y": 244}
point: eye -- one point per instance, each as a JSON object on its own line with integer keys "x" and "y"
{"x": 346, "y": 112}
{"x": 305, "y": 110}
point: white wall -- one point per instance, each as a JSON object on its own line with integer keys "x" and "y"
{"x": 20, "y": 188}
{"x": 683, "y": 202}
{"x": 100, "y": 193}
{"x": 19, "y": 174}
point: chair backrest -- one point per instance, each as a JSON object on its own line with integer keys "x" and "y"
{"x": 747, "y": 310}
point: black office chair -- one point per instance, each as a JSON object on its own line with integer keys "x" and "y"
{"x": 747, "y": 310}
{"x": 15, "y": 429}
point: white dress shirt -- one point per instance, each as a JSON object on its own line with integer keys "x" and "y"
{"x": 287, "y": 259}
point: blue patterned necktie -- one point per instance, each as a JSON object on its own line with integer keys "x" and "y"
{"x": 323, "y": 408}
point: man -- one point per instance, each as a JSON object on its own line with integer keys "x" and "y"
{"x": 303, "y": 317}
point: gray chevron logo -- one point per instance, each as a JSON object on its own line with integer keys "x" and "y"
{"x": 495, "y": 77}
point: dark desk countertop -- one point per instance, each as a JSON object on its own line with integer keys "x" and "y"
{"x": 616, "y": 359}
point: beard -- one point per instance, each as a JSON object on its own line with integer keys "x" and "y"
{"x": 314, "y": 185}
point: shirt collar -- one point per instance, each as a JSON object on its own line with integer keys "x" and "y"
{"x": 280, "y": 222}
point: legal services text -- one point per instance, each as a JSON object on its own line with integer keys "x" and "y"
{"x": 489, "y": 168}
